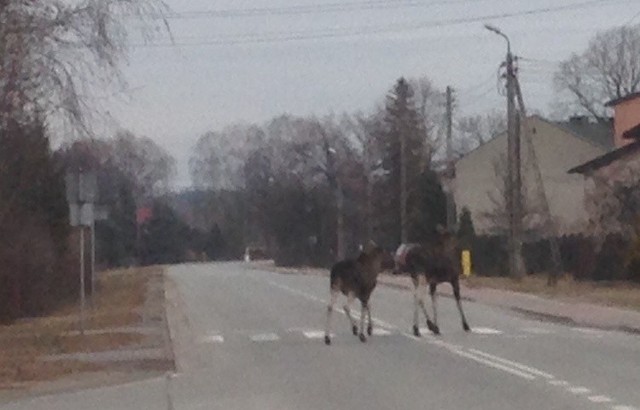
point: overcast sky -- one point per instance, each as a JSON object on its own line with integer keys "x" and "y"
{"x": 179, "y": 92}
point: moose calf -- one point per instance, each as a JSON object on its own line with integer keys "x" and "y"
{"x": 355, "y": 278}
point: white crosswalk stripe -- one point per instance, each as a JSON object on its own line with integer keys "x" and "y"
{"x": 265, "y": 337}
{"x": 486, "y": 331}
{"x": 315, "y": 334}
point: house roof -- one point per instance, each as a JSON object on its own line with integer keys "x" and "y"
{"x": 599, "y": 133}
{"x": 632, "y": 134}
{"x": 620, "y": 100}
{"x": 606, "y": 159}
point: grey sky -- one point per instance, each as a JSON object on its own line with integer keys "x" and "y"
{"x": 179, "y": 92}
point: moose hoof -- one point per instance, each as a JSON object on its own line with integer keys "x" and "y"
{"x": 327, "y": 340}
{"x": 363, "y": 338}
{"x": 433, "y": 327}
{"x": 466, "y": 327}
{"x": 369, "y": 330}
{"x": 354, "y": 329}
{"x": 416, "y": 331}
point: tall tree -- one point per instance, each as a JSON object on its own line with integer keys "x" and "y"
{"x": 609, "y": 68}
{"x": 404, "y": 156}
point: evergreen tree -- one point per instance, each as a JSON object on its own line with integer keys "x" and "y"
{"x": 466, "y": 231}
{"x": 401, "y": 122}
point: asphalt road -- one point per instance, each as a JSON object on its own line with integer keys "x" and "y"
{"x": 254, "y": 341}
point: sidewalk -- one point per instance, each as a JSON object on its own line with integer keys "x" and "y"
{"x": 574, "y": 313}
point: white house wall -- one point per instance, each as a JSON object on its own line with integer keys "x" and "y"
{"x": 557, "y": 151}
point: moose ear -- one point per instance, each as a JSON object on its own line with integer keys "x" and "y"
{"x": 371, "y": 245}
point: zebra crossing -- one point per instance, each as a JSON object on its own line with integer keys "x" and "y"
{"x": 215, "y": 337}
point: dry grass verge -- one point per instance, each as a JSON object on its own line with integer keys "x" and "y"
{"x": 614, "y": 294}
{"x": 119, "y": 299}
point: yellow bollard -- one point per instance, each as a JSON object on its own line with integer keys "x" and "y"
{"x": 466, "y": 263}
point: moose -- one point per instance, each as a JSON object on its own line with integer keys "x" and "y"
{"x": 432, "y": 263}
{"x": 355, "y": 278}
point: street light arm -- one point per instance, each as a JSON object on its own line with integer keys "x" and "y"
{"x": 499, "y": 32}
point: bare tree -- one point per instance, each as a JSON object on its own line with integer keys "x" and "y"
{"x": 429, "y": 103}
{"x": 55, "y": 54}
{"x": 148, "y": 166}
{"x": 475, "y": 130}
{"x": 218, "y": 157}
{"x": 609, "y": 68}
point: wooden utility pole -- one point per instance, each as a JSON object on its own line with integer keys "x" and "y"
{"x": 514, "y": 188}
{"x": 550, "y": 228}
{"x": 451, "y": 212}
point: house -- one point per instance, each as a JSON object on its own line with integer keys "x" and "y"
{"x": 605, "y": 175}
{"x": 558, "y": 146}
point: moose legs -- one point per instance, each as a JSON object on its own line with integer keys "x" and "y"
{"x": 327, "y": 329}
{"x": 455, "y": 284}
{"x": 347, "y": 311}
{"x": 365, "y": 313}
{"x": 419, "y": 296}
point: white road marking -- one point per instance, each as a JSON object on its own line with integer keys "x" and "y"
{"x": 265, "y": 337}
{"x": 537, "y": 330}
{"x": 623, "y": 408}
{"x": 600, "y": 399}
{"x": 579, "y": 390}
{"x": 589, "y": 331}
{"x": 486, "y": 331}
{"x": 213, "y": 338}
{"x": 354, "y": 313}
{"x": 495, "y": 365}
{"x": 314, "y": 334}
{"x": 558, "y": 382}
{"x": 380, "y": 332}
{"x": 511, "y": 363}
{"x": 410, "y": 336}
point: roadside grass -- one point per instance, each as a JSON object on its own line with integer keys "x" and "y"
{"x": 613, "y": 294}
{"x": 119, "y": 297}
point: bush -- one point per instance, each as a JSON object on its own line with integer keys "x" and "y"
{"x": 610, "y": 261}
{"x": 489, "y": 256}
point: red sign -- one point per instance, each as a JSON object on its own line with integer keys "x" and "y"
{"x": 143, "y": 215}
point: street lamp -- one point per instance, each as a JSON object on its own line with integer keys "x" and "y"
{"x": 499, "y": 32}
{"x": 514, "y": 204}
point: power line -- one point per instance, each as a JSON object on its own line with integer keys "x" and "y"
{"x": 311, "y": 9}
{"x": 631, "y": 20}
{"x": 272, "y": 37}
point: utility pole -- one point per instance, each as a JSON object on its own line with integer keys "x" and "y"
{"x": 451, "y": 212}
{"x": 551, "y": 228}
{"x": 515, "y": 181}
{"x": 514, "y": 188}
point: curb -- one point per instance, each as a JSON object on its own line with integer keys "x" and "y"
{"x": 569, "y": 321}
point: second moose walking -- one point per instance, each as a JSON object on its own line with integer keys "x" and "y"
{"x": 431, "y": 264}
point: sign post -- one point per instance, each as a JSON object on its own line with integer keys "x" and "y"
{"x": 82, "y": 190}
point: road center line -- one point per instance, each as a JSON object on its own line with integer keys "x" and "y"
{"x": 495, "y": 365}
{"x": 511, "y": 363}
{"x": 314, "y": 298}
{"x": 505, "y": 365}
{"x": 600, "y": 399}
